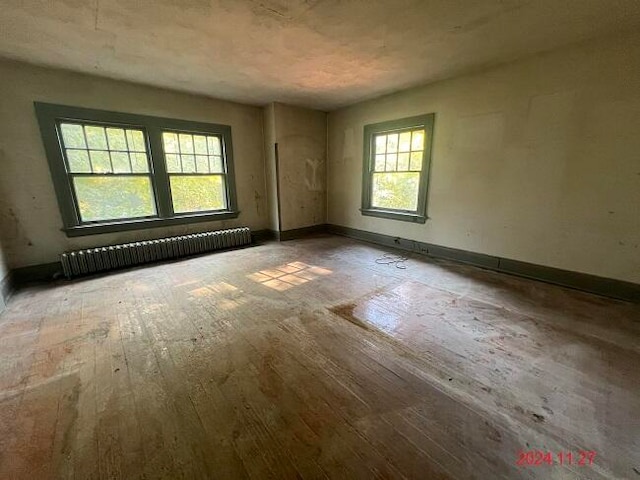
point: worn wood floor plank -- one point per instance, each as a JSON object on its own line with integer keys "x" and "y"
{"x": 307, "y": 359}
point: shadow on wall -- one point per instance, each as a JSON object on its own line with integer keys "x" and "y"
{"x": 4, "y": 262}
{"x": 4, "y": 269}
{"x": 9, "y": 227}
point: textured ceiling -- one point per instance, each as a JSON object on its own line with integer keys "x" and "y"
{"x": 317, "y": 53}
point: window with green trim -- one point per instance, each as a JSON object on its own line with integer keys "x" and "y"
{"x": 109, "y": 172}
{"x": 196, "y": 171}
{"x": 396, "y": 168}
{"x": 117, "y": 171}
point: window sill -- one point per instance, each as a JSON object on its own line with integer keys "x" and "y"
{"x": 394, "y": 215}
{"x": 97, "y": 228}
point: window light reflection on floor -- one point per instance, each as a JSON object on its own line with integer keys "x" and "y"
{"x": 225, "y": 295}
{"x": 213, "y": 288}
{"x": 288, "y": 276}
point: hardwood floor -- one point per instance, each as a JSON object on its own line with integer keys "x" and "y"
{"x": 307, "y": 359}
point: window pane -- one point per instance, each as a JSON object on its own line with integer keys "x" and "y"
{"x": 188, "y": 163}
{"x": 214, "y": 146}
{"x": 405, "y": 142}
{"x": 392, "y": 142}
{"x": 380, "y": 163}
{"x": 140, "y": 162}
{"x": 96, "y": 137}
{"x": 186, "y": 143}
{"x": 116, "y": 139}
{"x": 416, "y": 161}
{"x": 136, "y": 141}
{"x": 403, "y": 162}
{"x": 200, "y": 144}
{"x": 170, "y": 142}
{"x": 381, "y": 144}
{"x": 202, "y": 164}
{"x": 72, "y": 135}
{"x": 120, "y": 161}
{"x": 397, "y": 191}
{"x": 417, "y": 140}
{"x": 78, "y": 161}
{"x": 391, "y": 162}
{"x": 100, "y": 161}
{"x": 216, "y": 165}
{"x": 173, "y": 163}
{"x": 197, "y": 193}
{"x": 114, "y": 197}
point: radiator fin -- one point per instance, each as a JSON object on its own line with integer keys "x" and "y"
{"x": 90, "y": 260}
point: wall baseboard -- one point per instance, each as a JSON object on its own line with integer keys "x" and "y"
{"x": 264, "y": 235}
{"x": 302, "y": 232}
{"x": 48, "y": 271}
{"x": 282, "y": 236}
{"x": 18, "y": 277}
{"x": 35, "y": 273}
{"x": 606, "y": 287}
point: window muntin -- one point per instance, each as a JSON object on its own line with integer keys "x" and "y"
{"x": 109, "y": 171}
{"x": 397, "y": 157}
{"x": 197, "y": 172}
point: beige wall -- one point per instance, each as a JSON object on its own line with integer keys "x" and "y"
{"x": 301, "y": 135}
{"x": 537, "y": 160}
{"x": 29, "y": 217}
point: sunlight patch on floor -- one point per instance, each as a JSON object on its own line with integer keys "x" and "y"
{"x": 288, "y": 276}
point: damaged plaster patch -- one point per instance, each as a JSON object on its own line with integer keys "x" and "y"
{"x": 312, "y": 175}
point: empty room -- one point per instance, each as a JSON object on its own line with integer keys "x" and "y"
{"x": 319, "y": 239}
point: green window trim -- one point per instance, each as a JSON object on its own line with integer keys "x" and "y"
{"x": 393, "y": 127}
{"x": 51, "y": 116}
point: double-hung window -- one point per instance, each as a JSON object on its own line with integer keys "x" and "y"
{"x": 109, "y": 172}
{"x": 116, "y": 171}
{"x": 196, "y": 171}
{"x": 397, "y": 157}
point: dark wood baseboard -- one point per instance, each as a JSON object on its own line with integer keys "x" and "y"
{"x": 303, "y": 232}
{"x": 260, "y": 236}
{"x": 48, "y": 271}
{"x": 607, "y": 287}
{"x": 25, "y": 275}
{"x": 266, "y": 235}
{"x": 35, "y": 273}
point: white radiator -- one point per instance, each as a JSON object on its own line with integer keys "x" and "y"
{"x": 81, "y": 262}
